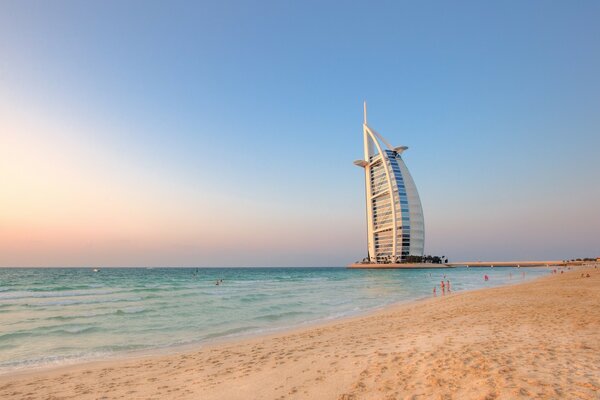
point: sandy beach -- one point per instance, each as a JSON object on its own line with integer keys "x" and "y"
{"x": 539, "y": 339}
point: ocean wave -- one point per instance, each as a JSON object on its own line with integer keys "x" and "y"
{"x": 58, "y": 288}
{"x": 254, "y": 297}
{"x": 78, "y": 316}
{"x": 122, "y": 347}
{"x": 14, "y": 335}
{"x": 76, "y": 330}
{"x": 91, "y": 314}
{"x": 151, "y": 296}
{"x": 53, "y": 359}
{"x": 230, "y": 332}
{"x": 77, "y": 302}
{"x": 278, "y": 316}
{"x": 67, "y": 329}
{"x": 151, "y": 290}
{"x": 131, "y": 310}
{"x": 32, "y": 294}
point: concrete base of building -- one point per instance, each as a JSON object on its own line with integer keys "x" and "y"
{"x": 399, "y": 266}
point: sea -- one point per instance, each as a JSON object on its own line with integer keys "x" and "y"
{"x": 57, "y": 316}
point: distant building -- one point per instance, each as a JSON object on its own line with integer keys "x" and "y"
{"x": 395, "y": 225}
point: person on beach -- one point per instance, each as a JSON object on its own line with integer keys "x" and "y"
{"x": 443, "y": 287}
{"x": 486, "y": 278}
{"x": 448, "y": 285}
{"x": 435, "y": 291}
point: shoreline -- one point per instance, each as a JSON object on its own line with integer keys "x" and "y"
{"x": 177, "y": 349}
{"x": 209, "y": 360}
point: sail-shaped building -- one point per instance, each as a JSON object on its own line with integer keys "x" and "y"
{"x": 395, "y": 225}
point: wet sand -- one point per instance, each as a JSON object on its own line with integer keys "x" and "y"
{"x": 538, "y": 339}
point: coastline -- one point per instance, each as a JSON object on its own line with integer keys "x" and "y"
{"x": 174, "y": 349}
{"x": 305, "y": 352}
{"x": 119, "y": 321}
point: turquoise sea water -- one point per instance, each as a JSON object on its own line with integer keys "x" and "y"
{"x": 66, "y": 315}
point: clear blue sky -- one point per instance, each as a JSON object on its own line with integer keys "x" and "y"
{"x": 223, "y": 133}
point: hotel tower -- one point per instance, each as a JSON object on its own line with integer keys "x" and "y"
{"x": 395, "y": 225}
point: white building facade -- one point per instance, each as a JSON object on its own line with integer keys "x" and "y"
{"x": 395, "y": 224}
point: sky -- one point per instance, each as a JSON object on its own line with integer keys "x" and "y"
{"x": 142, "y": 133}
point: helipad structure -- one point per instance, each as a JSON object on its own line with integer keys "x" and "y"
{"x": 395, "y": 225}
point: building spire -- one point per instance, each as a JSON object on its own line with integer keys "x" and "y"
{"x": 365, "y": 111}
